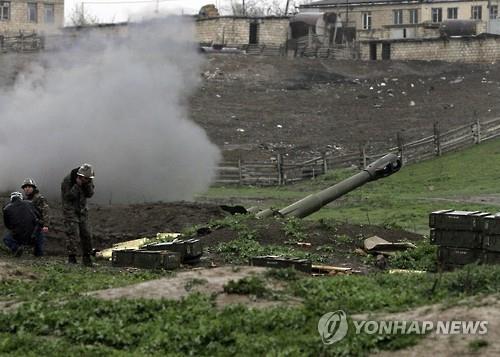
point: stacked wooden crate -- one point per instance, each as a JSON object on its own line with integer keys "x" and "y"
{"x": 491, "y": 239}
{"x": 459, "y": 237}
{"x": 168, "y": 255}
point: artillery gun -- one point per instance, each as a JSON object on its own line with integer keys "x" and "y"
{"x": 383, "y": 167}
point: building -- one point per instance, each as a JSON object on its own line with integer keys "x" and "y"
{"x": 397, "y": 19}
{"x": 31, "y": 16}
{"x": 240, "y": 31}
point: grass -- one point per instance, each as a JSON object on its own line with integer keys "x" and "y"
{"x": 403, "y": 200}
{"x": 57, "y": 317}
{"x": 80, "y": 325}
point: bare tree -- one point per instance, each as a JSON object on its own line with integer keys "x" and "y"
{"x": 81, "y": 17}
{"x": 265, "y": 7}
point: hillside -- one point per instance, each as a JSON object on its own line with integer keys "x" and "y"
{"x": 253, "y": 107}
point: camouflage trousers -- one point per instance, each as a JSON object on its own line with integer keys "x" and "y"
{"x": 77, "y": 231}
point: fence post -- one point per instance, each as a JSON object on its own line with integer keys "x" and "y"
{"x": 240, "y": 171}
{"x": 362, "y": 156}
{"x": 478, "y": 131}
{"x": 399, "y": 141}
{"x": 279, "y": 166}
{"x": 437, "y": 139}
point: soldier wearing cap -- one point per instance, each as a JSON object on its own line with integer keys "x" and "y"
{"x": 76, "y": 188}
{"x": 32, "y": 194}
{"x": 20, "y": 219}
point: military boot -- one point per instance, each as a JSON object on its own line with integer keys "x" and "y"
{"x": 72, "y": 259}
{"x": 86, "y": 261}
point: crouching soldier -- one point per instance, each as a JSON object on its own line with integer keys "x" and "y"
{"x": 20, "y": 219}
{"x": 76, "y": 188}
{"x": 32, "y": 194}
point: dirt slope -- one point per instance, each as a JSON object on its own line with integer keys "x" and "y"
{"x": 255, "y": 106}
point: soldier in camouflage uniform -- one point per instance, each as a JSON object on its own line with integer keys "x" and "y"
{"x": 32, "y": 194}
{"x": 75, "y": 189}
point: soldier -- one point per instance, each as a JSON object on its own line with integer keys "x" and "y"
{"x": 75, "y": 189}
{"x": 20, "y": 219}
{"x": 32, "y": 194}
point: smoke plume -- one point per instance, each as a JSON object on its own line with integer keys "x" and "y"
{"x": 117, "y": 102}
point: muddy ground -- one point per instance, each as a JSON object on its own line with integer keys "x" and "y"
{"x": 331, "y": 243}
{"x": 254, "y": 107}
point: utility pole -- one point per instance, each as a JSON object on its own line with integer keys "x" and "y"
{"x": 286, "y": 7}
{"x": 244, "y": 10}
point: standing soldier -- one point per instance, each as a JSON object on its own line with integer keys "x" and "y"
{"x": 31, "y": 193}
{"x": 75, "y": 189}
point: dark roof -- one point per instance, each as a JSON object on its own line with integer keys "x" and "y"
{"x": 327, "y": 3}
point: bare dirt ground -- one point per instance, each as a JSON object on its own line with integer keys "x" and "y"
{"x": 207, "y": 281}
{"x": 483, "y": 309}
{"x": 335, "y": 243}
{"x": 253, "y": 107}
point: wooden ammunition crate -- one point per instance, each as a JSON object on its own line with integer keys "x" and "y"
{"x": 491, "y": 258}
{"x": 189, "y": 249}
{"x": 491, "y": 224}
{"x": 491, "y": 243}
{"x": 459, "y": 239}
{"x": 122, "y": 258}
{"x": 304, "y": 265}
{"x": 457, "y": 220}
{"x": 150, "y": 259}
{"x": 459, "y": 256}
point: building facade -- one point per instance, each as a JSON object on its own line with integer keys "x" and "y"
{"x": 238, "y": 31}
{"x": 395, "y": 19}
{"x": 31, "y": 16}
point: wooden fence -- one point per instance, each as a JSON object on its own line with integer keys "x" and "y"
{"x": 281, "y": 172}
{"x": 21, "y": 43}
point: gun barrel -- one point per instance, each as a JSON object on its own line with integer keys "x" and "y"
{"x": 383, "y": 167}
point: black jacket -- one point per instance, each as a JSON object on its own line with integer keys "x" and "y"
{"x": 20, "y": 218}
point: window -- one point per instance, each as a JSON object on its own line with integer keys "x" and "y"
{"x": 453, "y": 13}
{"x": 413, "y": 16}
{"x": 398, "y": 17}
{"x": 367, "y": 21}
{"x": 48, "y": 13}
{"x": 476, "y": 12}
{"x": 437, "y": 14}
{"x": 32, "y": 15}
{"x": 493, "y": 11}
{"x": 4, "y": 10}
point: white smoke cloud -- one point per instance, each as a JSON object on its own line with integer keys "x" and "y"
{"x": 118, "y": 103}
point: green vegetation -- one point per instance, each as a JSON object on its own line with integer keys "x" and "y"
{"x": 476, "y": 345}
{"x": 57, "y": 280}
{"x": 424, "y": 257}
{"x": 73, "y": 323}
{"x": 247, "y": 286}
{"x": 55, "y": 316}
{"x": 240, "y": 250}
{"x": 403, "y": 200}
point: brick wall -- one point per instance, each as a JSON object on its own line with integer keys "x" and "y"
{"x": 273, "y": 31}
{"x": 236, "y": 30}
{"x": 466, "y": 49}
{"x": 19, "y": 17}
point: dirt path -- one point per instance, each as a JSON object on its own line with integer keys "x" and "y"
{"x": 207, "y": 281}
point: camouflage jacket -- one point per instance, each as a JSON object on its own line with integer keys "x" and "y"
{"x": 74, "y": 197}
{"x": 41, "y": 208}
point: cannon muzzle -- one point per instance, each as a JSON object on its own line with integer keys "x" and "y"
{"x": 383, "y": 167}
